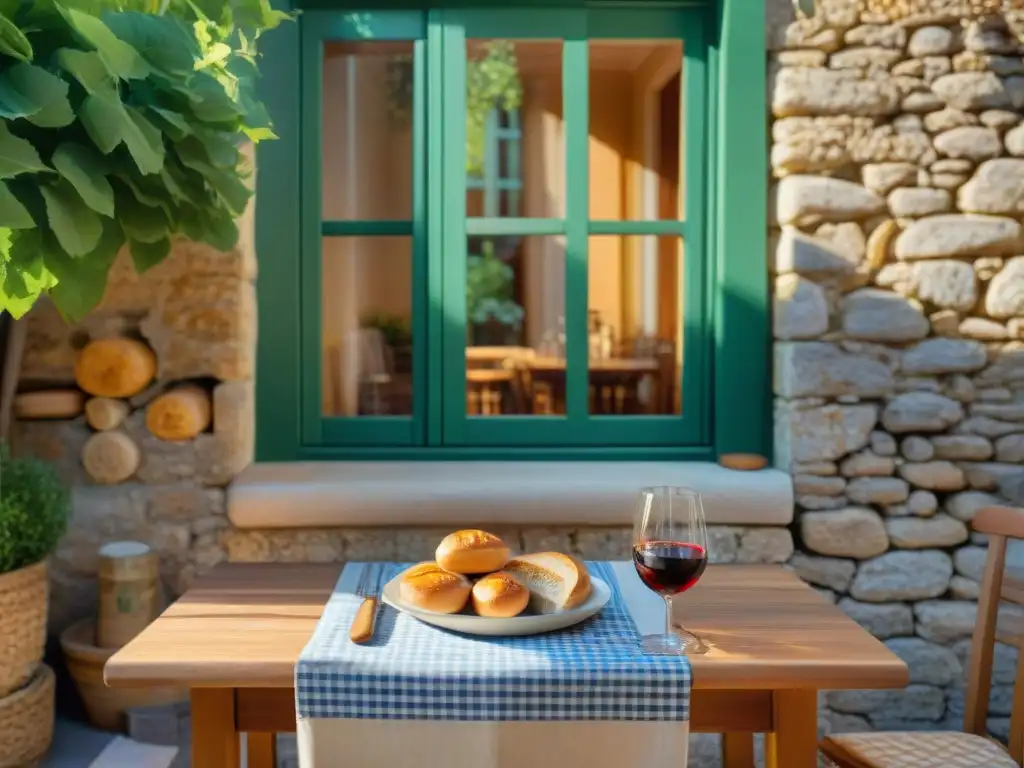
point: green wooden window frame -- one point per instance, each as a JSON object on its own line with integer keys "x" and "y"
{"x": 726, "y": 397}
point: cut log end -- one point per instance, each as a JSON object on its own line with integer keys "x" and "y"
{"x": 115, "y": 367}
{"x": 110, "y": 457}
{"x": 50, "y": 404}
{"x": 103, "y": 413}
{"x": 180, "y": 414}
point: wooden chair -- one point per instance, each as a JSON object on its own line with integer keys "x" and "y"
{"x": 950, "y": 749}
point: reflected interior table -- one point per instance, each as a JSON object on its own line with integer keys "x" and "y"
{"x": 234, "y": 638}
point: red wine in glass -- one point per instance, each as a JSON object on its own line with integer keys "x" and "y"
{"x": 669, "y": 567}
{"x": 670, "y": 554}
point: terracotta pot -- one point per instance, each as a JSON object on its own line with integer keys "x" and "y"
{"x": 105, "y": 706}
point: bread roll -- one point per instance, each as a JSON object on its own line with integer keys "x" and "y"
{"x": 500, "y": 596}
{"x": 556, "y": 582}
{"x": 430, "y": 587}
{"x": 472, "y": 552}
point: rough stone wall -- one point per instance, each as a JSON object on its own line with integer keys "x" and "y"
{"x": 898, "y": 162}
{"x": 197, "y": 312}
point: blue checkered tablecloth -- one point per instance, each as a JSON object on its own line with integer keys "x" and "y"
{"x": 595, "y": 670}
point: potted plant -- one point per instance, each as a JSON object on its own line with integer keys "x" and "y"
{"x": 34, "y": 508}
{"x": 494, "y": 318}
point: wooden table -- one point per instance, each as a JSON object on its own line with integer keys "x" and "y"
{"x": 235, "y": 637}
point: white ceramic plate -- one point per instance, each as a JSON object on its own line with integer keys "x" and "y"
{"x": 524, "y": 624}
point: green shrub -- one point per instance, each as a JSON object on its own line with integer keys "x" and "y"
{"x": 34, "y": 508}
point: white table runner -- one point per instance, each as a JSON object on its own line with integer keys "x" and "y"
{"x": 420, "y": 696}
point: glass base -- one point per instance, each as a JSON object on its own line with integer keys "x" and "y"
{"x": 680, "y": 643}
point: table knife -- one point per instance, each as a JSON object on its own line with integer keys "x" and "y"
{"x": 363, "y": 624}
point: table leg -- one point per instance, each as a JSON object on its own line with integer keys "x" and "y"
{"x": 737, "y": 750}
{"x": 794, "y": 744}
{"x": 261, "y": 750}
{"x": 214, "y": 733}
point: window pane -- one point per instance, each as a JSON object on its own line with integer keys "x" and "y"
{"x": 635, "y": 335}
{"x": 367, "y": 326}
{"x": 515, "y": 164}
{"x": 367, "y": 130}
{"x": 515, "y": 326}
{"x": 635, "y": 155}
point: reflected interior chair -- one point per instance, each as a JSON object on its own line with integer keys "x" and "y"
{"x": 498, "y": 380}
{"x": 952, "y": 749}
{"x": 375, "y": 370}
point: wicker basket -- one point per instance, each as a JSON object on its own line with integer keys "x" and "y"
{"x": 105, "y": 706}
{"x": 24, "y": 595}
{"x": 26, "y": 721}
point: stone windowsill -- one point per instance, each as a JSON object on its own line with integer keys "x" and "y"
{"x": 378, "y": 494}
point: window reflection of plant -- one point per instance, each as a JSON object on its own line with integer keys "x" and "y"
{"x": 489, "y": 290}
{"x": 492, "y": 81}
{"x": 394, "y": 328}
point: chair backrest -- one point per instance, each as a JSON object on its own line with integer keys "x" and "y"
{"x": 1000, "y": 524}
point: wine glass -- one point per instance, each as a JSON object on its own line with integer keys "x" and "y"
{"x": 670, "y": 554}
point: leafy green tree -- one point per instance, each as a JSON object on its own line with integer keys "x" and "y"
{"x": 121, "y": 123}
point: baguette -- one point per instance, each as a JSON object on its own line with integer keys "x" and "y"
{"x": 557, "y": 582}
{"x": 471, "y": 551}
{"x": 432, "y": 588}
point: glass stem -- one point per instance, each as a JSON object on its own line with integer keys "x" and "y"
{"x": 668, "y": 614}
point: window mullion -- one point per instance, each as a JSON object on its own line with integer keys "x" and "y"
{"x": 434, "y": 367}
{"x": 575, "y": 108}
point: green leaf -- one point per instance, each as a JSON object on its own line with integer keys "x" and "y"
{"x": 162, "y": 41}
{"x": 25, "y": 276}
{"x": 220, "y": 147}
{"x": 13, "y": 42}
{"x": 232, "y": 190}
{"x": 120, "y": 58}
{"x": 144, "y": 141}
{"x": 147, "y": 198}
{"x": 103, "y": 118}
{"x": 13, "y": 215}
{"x": 171, "y": 123}
{"x": 217, "y": 54}
{"x": 171, "y": 184}
{"x": 87, "y": 172}
{"x": 27, "y": 90}
{"x": 15, "y": 296}
{"x": 210, "y": 101}
{"x": 76, "y": 226}
{"x": 147, "y": 255}
{"x": 87, "y": 68}
{"x": 17, "y": 155}
{"x": 205, "y": 226}
{"x": 82, "y": 282}
{"x": 141, "y": 222}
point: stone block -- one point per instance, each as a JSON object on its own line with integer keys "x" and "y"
{"x": 800, "y": 308}
{"x": 871, "y": 314}
{"x": 821, "y": 433}
{"x": 958, "y": 235}
{"x": 835, "y": 92}
{"x": 833, "y": 573}
{"x": 921, "y": 412}
{"x": 923, "y": 533}
{"x": 902, "y": 575}
{"x": 854, "y": 532}
{"x": 823, "y": 369}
